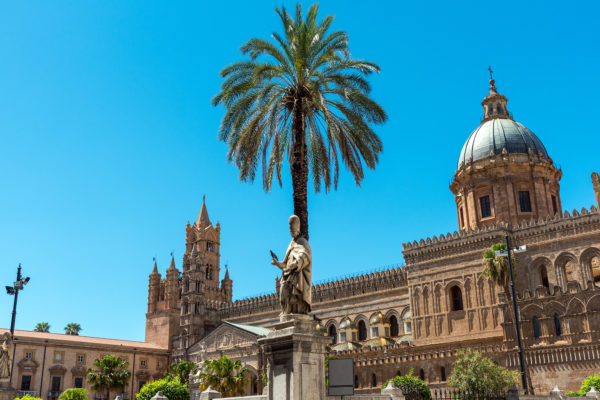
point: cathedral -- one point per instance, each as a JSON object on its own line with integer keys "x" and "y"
{"x": 418, "y": 316}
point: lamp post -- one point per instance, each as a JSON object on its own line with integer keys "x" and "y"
{"x": 14, "y": 290}
{"x": 506, "y": 253}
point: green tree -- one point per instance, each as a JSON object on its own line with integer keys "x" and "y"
{"x": 475, "y": 374}
{"x": 110, "y": 372}
{"x": 225, "y": 376}
{"x": 170, "y": 386}
{"x": 74, "y": 394}
{"x": 183, "y": 369}
{"x": 587, "y": 384}
{"x": 409, "y": 384}
{"x": 307, "y": 102}
{"x": 42, "y": 327}
{"x": 72, "y": 328}
{"x": 495, "y": 268}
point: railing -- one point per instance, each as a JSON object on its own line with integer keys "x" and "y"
{"x": 453, "y": 394}
{"x": 123, "y": 396}
{"x": 53, "y": 394}
{"x": 98, "y": 396}
{"x": 31, "y": 393}
{"x": 253, "y": 397}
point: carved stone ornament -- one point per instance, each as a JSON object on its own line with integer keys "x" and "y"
{"x": 5, "y": 356}
{"x": 295, "y": 284}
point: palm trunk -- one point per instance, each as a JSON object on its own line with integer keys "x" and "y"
{"x": 299, "y": 168}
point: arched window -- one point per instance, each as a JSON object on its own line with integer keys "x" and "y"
{"x": 544, "y": 276}
{"x": 422, "y": 374}
{"x": 595, "y": 264}
{"x": 373, "y": 380}
{"x": 536, "y": 327}
{"x": 362, "y": 330}
{"x": 557, "y": 328}
{"x": 254, "y": 384}
{"x": 333, "y": 333}
{"x": 490, "y": 109}
{"x": 443, "y": 374}
{"x": 208, "y": 273}
{"x": 499, "y": 109}
{"x": 394, "y": 328}
{"x": 356, "y": 381}
{"x": 456, "y": 300}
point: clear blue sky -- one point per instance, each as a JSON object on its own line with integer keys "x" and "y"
{"x": 109, "y": 140}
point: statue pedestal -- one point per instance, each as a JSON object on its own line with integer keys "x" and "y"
{"x": 295, "y": 354}
{"x": 7, "y": 392}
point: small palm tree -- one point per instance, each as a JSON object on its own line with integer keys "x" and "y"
{"x": 42, "y": 327}
{"x": 72, "y": 328}
{"x": 183, "y": 369}
{"x": 495, "y": 268}
{"x": 307, "y": 103}
{"x": 108, "y": 373}
{"x": 225, "y": 376}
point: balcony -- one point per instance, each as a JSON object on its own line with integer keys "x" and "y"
{"x": 53, "y": 394}
{"x": 31, "y": 393}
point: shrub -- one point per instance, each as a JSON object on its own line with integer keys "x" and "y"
{"x": 587, "y": 384}
{"x": 474, "y": 373}
{"x": 28, "y": 397}
{"x": 409, "y": 383}
{"x": 73, "y": 394}
{"x": 170, "y": 387}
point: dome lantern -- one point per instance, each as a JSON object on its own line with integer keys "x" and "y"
{"x": 494, "y": 104}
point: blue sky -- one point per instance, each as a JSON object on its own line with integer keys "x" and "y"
{"x": 109, "y": 140}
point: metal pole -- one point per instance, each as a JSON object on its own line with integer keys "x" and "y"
{"x": 14, "y": 312}
{"x": 517, "y": 324}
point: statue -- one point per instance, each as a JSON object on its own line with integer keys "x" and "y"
{"x": 295, "y": 284}
{"x": 5, "y": 356}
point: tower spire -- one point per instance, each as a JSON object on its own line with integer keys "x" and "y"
{"x": 203, "y": 216}
{"x": 155, "y": 269}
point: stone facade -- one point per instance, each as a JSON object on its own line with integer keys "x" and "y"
{"x": 45, "y": 364}
{"x": 420, "y": 315}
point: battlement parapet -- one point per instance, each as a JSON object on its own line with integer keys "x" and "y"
{"x": 458, "y": 243}
{"x": 328, "y": 291}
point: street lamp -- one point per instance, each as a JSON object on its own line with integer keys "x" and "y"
{"x": 506, "y": 253}
{"x": 19, "y": 284}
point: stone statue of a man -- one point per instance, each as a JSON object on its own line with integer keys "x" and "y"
{"x": 5, "y": 356}
{"x": 295, "y": 284}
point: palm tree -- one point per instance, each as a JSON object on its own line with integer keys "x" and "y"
{"x": 183, "y": 369}
{"x": 72, "y": 328}
{"x": 308, "y": 102}
{"x": 110, "y": 372}
{"x": 42, "y": 327}
{"x": 225, "y": 376}
{"x": 495, "y": 268}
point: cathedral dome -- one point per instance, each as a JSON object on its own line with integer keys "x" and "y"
{"x": 500, "y": 135}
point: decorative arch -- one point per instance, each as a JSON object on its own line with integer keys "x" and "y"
{"x": 554, "y": 307}
{"x": 566, "y": 267}
{"x": 537, "y": 275}
{"x": 455, "y": 296}
{"x": 437, "y": 299}
{"x": 426, "y": 300}
{"x": 531, "y": 310}
{"x": 575, "y": 306}
{"x": 362, "y": 326}
{"x": 416, "y": 303}
{"x": 331, "y": 327}
{"x": 590, "y": 263}
{"x": 468, "y": 293}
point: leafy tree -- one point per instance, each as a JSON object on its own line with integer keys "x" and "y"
{"x": 110, "y": 372}
{"x": 306, "y": 102}
{"x": 475, "y": 374}
{"x": 587, "y": 384}
{"x": 172, "y": 387}
{"x": 27, "y": 397}
{"x": 409, "y": 384}
{"x": 42, "y": 327}
{"x": 74, "y": 394}
{"x": 72, "y": 328}
{"x": 496, "y": 267}
{"x": 224, "y": 375}
{"x": 183, "y": 369}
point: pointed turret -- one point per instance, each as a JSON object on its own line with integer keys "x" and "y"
{"x": 155, "y": 269}
{"x": 172, "y": 266}
{"x": 203, "y": 219}
{"x": 194, "y": 251}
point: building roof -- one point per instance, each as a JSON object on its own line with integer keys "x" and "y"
{"x": 81, "y": 340}
{"x": 257, "y": 330}
{"x": 203, "y": 216}
{"x": 493, "y": 136}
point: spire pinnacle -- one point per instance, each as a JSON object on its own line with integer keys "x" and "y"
{"x": 203, "y": 216}
{"x": 155, "y": 269}
{"x": 226, "y": 273}
{"x": 172, "y": 261}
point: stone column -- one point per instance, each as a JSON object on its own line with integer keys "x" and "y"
{"x": 295, "y": 353}
{"x": 596, "y": 185}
